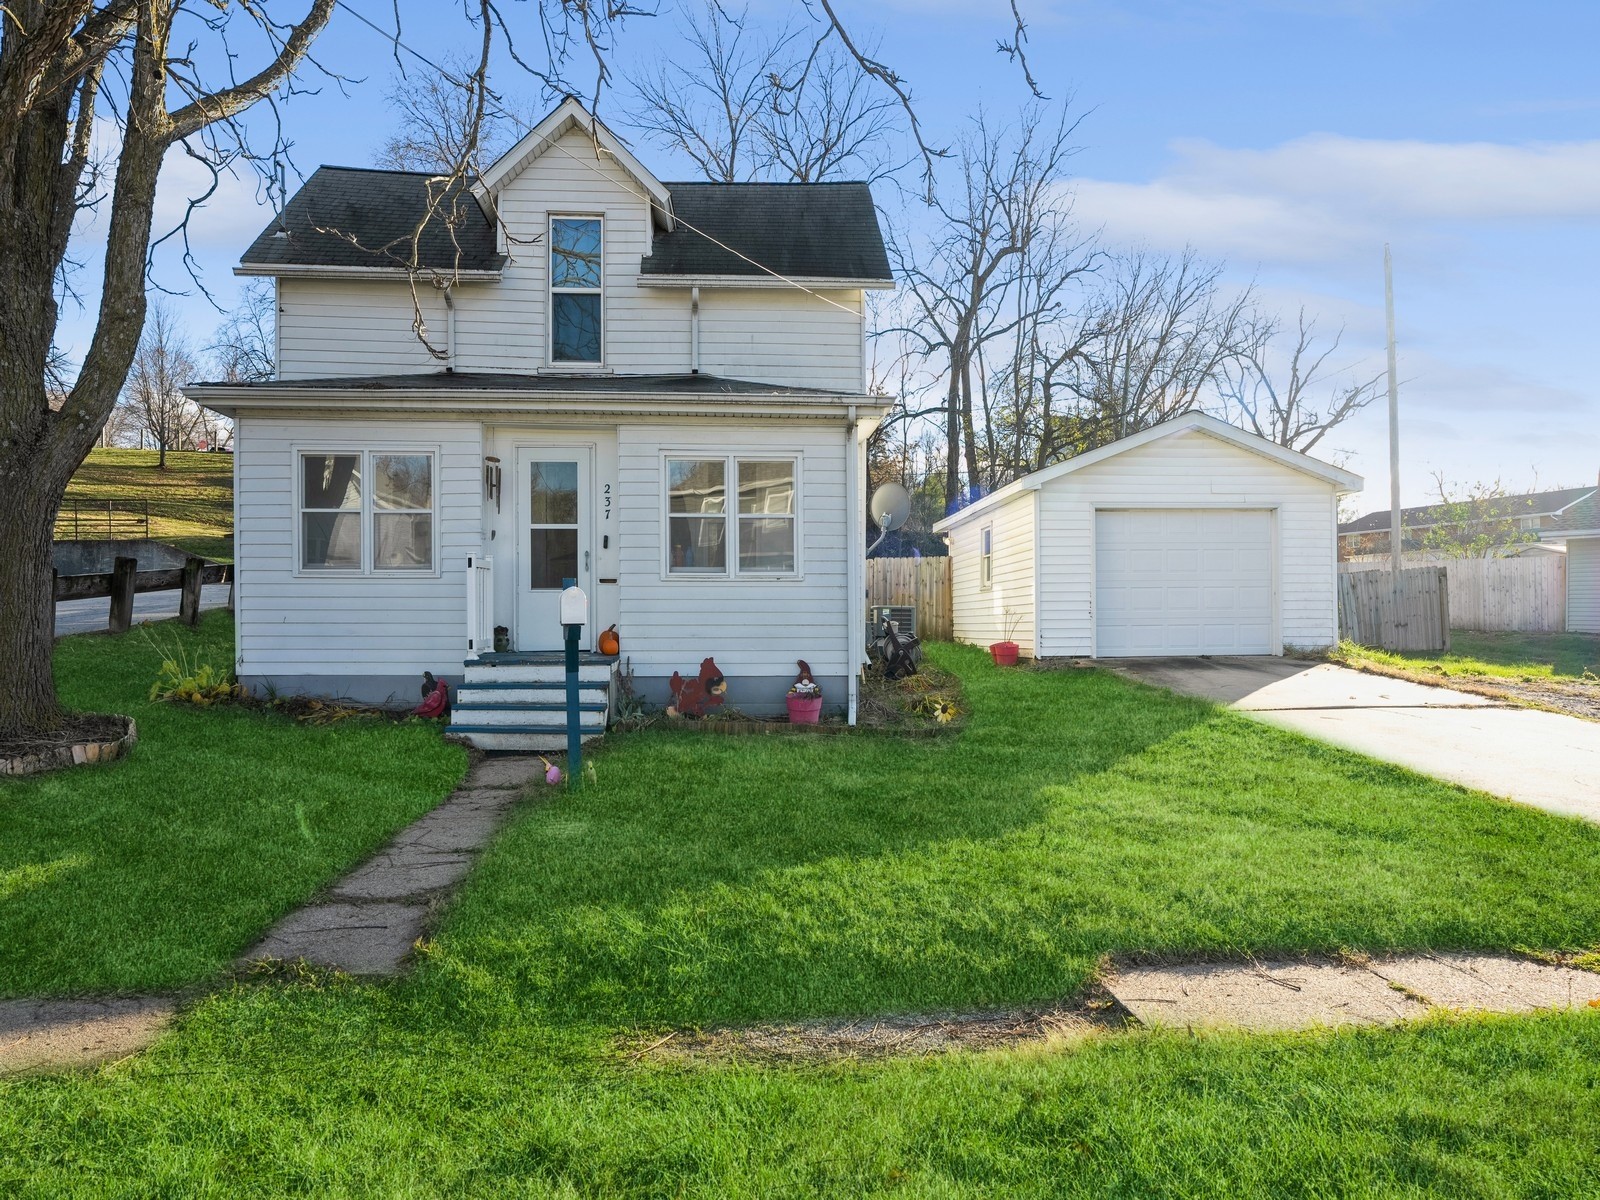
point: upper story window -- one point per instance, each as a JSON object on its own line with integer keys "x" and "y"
{"x": 575, "y": 289}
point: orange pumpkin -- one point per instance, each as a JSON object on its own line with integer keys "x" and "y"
{"x": 609, "y": 642}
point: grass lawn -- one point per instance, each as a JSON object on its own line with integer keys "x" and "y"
{"x": 191, "y": 502}
{"x": 719, "y": 879}
{"x": 155, "y": 871}
{"x": 1524, "y": 656}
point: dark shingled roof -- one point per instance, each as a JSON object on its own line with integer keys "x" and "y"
{"x": 379, "y": 209}
{"x": 1533, "y": 504}
{"x": 815, "y": 230}
{"x": 494, "y": 381}
{"x": 1582, "y": 516}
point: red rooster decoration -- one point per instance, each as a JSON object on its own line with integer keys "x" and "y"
{"x": 691, "y": 697}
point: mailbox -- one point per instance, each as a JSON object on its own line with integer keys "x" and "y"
{"x": 574, "y": 606}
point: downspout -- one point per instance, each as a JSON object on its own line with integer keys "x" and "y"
{"x": 855, "y": 577}
{"x": 449, "y": 330}
{"x": 694, "y": 330}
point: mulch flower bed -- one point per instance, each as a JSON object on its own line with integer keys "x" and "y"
{"x": 82, "y": 739}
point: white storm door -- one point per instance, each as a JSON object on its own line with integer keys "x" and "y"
{"x": 555, "y": 539}
{"x": 1183, "y": 582}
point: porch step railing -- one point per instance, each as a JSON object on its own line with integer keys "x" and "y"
{"x": 480, "y": 603}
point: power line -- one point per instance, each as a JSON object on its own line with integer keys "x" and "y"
{"x": 516, "y": 120}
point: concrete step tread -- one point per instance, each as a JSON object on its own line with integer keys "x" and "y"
{"x": 530, "y": 705}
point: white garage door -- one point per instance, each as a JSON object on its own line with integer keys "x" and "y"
{"x": 1183, "y": 581}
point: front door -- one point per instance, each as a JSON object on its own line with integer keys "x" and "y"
{"x": 554, "y": 522}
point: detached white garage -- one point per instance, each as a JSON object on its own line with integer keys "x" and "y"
{"x": 1192, "y": 537}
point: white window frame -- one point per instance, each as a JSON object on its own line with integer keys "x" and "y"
{"x": 986, "y": 556}
{"x": 366, "y": 453}
{"x": 552, "y": 291}
{"x": 730, "y": 515}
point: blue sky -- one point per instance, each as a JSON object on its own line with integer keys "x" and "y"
{"x": 1289, "y": 137}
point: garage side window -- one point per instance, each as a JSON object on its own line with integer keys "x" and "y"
{"x": 986, "y": 556}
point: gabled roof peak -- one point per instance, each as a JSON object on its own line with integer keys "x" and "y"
{"x": 567, "y": 116}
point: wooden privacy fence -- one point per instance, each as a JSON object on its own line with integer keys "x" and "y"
{"x": 1509, "y": 595}
{"x": 1416, "y": 616}
{"x": 924, "y": 582}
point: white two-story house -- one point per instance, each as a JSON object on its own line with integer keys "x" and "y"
{"x": 656, "y": 389}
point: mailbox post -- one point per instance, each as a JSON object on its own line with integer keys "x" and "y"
{"x": 574, "y": 616}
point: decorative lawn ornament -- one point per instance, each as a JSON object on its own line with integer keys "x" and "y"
{"x": 691, "y": 697}
{"x": 552, "y": 773}
{"x": 435, "y": 697}
{"x": 895, "y": 654}
{"x": 610, "y": 643}
{"x": 805, "y": 697}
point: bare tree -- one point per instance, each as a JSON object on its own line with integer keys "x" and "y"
{"x": 153, "y": 396}
{"x": 436, "y": 130}
{"x": 971, "y": 283}
{"x": 243, "y": 346}
{"x": 823, "y": 119}
{"x": 1155, "y": 340}
{"x": 1290, "y": 401}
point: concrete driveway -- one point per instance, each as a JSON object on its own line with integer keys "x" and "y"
{"x": 1544, "y": 759}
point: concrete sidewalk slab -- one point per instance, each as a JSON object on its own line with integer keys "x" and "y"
{"x": 1491, "y": 984}
{"x": 1544, "y": 759}
{"x": 359, "y": 939}
{"x": 59, "y": 1034}
{"x": 1262, "y": 997}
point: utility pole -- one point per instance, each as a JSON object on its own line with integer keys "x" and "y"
{"x": 1395, "y": 534}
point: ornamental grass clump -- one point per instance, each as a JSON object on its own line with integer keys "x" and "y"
{"x": 187, "y": 678}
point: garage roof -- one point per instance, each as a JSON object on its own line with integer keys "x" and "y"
{"x": 1193, "y": 422}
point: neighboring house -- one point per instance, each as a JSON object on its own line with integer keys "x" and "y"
{"x": 1528, "y": 514}
{"x": 1579, "y": 529}
{"x": 656, "y": 389}
{"x": 1192, "y": 537}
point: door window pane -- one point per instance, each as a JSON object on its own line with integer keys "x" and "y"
{"x": 575, "y": 327}
{"x": 553, "y": 557}
{"x": 575, "y": 253}
{"x": 766, "y": 545}
{"x": 766, "y": 487}
{"x": 402, "y": 481}
{"x": 331, "y": 481}
{"x": 330, "y": 541}
{"x": 553, "y": 492}
{"x": 699, "y": 544}
{"x": 402, "y": 541}
{"x": 696, "y": 485}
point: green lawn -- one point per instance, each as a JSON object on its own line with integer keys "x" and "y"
{"x": 1530, "y": 656}
{"x": 191, "y": 502}
{"x": 721, "y": 879}
{"x": 155, "y": 871}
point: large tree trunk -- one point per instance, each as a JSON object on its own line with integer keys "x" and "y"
{"x": 28, "y": 698}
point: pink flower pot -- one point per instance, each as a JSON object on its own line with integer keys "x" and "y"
{"x": 1004, "y": 653}
{"x": 803, "y": 711}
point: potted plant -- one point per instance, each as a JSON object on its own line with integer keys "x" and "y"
{"x": 805, "y": 699}
{"x": 1004, "y": 652}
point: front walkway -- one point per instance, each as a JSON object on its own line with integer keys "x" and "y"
{"x": 1539, "y": 758}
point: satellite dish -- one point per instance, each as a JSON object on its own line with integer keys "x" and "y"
{"x": 890, "y": 507}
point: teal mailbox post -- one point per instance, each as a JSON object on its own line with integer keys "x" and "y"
{"x": 574, "y": 616}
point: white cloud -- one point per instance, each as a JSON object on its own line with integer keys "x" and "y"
{"x": 1318, "y": 197}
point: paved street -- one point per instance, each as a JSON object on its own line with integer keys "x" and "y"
{"x": 86, "y": 616}
{"x": 1544, "y": 759}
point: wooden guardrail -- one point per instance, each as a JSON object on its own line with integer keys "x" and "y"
{"x": 1413, "y": 616}
{"x": 125, "y": 580}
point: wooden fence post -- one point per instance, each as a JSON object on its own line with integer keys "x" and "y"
{"x": 189, "y": 599}
{"x": 124, "y": 574}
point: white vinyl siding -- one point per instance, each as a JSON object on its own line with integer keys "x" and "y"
{"x": 1583, "y": 585}
{"x": 390, "y": 623}
{"x": 752, "y": 626}
{"x": 986, "y": 613}
{"x": 334, "y": 328}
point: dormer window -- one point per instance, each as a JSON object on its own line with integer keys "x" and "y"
{"x": 575, "y": 291}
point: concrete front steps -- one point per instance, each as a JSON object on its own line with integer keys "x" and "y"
{"x": 519, "y": 701}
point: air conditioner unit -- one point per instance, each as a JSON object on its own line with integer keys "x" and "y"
{"x": 903, "y": 616}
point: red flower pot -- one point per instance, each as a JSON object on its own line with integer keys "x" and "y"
{"x": 803, "y": 711}
{"x": 1004, "y": 653}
